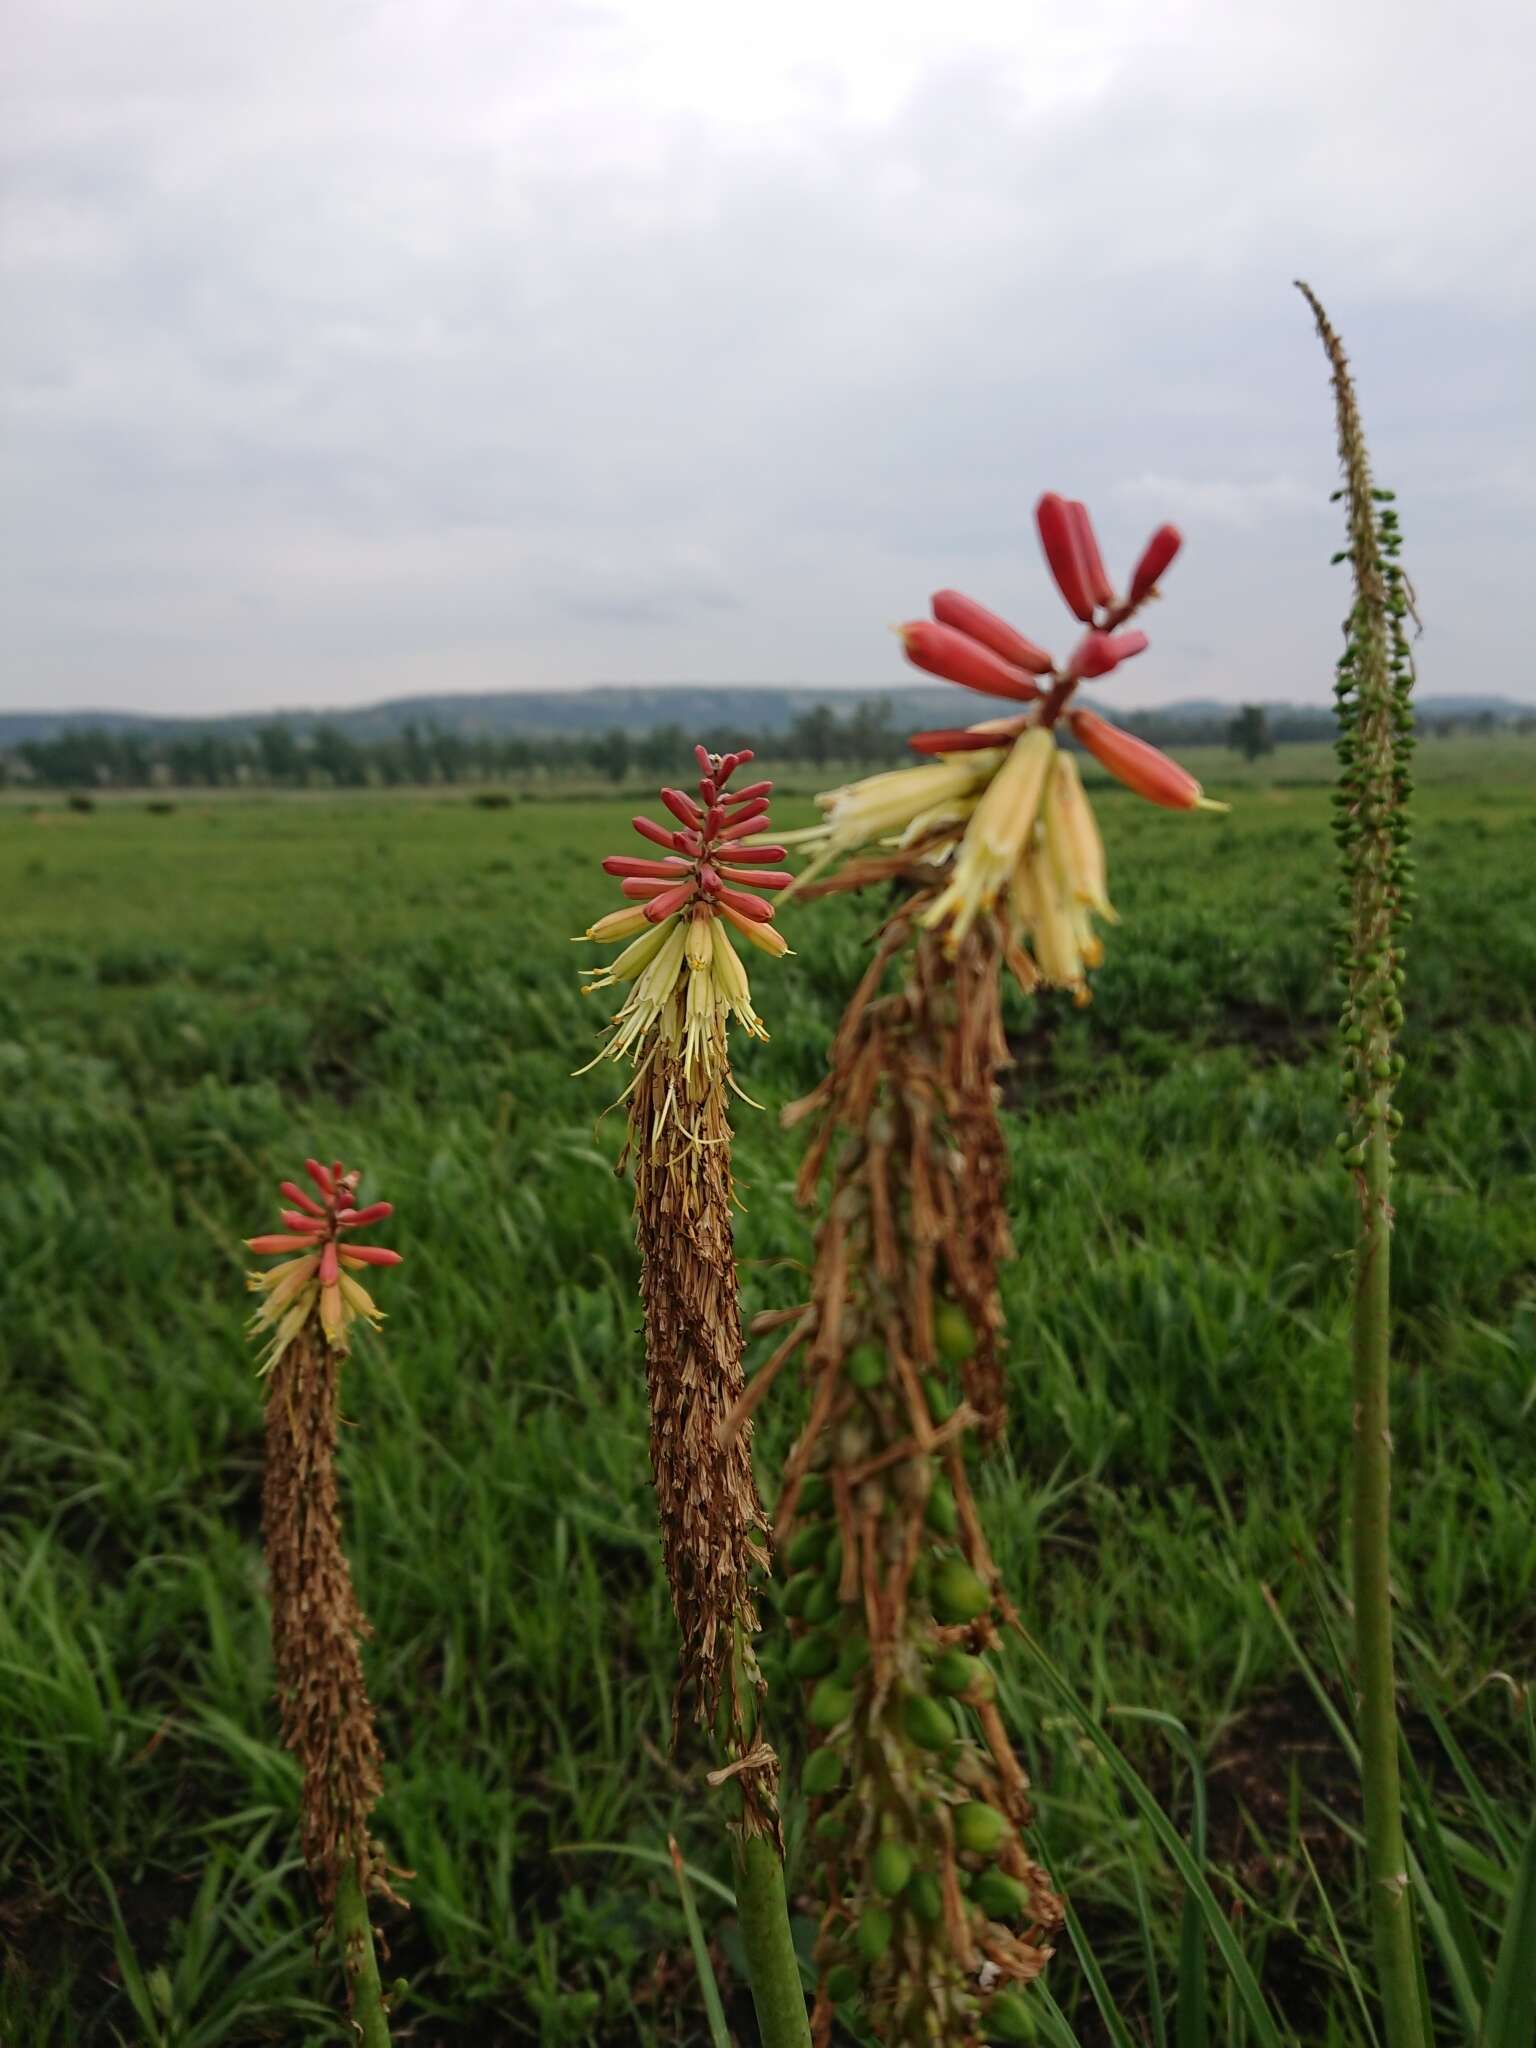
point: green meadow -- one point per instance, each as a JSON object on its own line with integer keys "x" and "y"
{"x": 195, "y": 996}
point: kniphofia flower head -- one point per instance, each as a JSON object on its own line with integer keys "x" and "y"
{"x": 319, "y": 1279}
{"x": 684, "y": 976}
{"x": 998, "y": 807}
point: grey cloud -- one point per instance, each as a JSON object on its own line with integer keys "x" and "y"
{"x": 484, "y": 348}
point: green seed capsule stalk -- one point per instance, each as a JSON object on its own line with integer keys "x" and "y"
{"x": 1373, "y": 691}
{"x": 934, "y": 1912}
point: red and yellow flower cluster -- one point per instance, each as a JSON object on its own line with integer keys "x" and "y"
{"x": 322, "y": 1278}
{"x": 686, "y": 979}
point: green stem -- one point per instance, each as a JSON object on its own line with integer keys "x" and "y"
{"x": 354, "y": 1935}
{"x": 1386, "y": 1859}
{"x": 762, "y": 1913}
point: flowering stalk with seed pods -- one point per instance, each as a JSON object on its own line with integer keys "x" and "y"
{"x": 685, "y": 983}
{"x": 1373, "y": 694}
{"x": 309, "y": 1305}
{"x": 935, "y": 1914}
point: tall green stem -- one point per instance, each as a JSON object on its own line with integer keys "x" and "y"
{"x": 354, "y": 1936}
{"x": 1373, "y": 690}
{"x": 1386, "y": 1859}
{"x": 762, "y": 1913}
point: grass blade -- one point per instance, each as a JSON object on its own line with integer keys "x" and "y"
{"x": 1510, "y": 2021}
{"x": 719, "y": 2033}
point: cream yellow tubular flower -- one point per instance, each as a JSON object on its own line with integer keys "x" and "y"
{"x": 1001, "y": 826}
{"x": 1072, "y": 835}
{"x": 899, "y": 806}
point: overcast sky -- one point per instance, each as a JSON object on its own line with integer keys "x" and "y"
{"x": 355, "y": 348}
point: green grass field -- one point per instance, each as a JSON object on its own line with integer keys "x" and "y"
{"x": 194, "y": 1000}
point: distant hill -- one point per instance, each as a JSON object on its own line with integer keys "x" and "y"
{"x": 712, "y": 709}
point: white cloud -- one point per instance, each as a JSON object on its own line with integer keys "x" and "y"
{"x": 512, "y": 342}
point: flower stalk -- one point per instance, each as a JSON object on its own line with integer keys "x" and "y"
{"x": 685, "y": 985}
{"x": 1373, "y": 693}
{"x": 309, "y": 1306}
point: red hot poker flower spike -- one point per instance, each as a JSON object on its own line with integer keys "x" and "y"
{"x": 1155, "y": 557}
{"x": 1063, "y": 553}
{"x": 1100, "y": 589}
{"x": 1139, "y": 766}
{"x": 943, "y": 651}
{"x": 951, "y": 608}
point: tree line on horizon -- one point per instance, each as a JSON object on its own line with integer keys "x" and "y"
{"x": 325, "y": 756}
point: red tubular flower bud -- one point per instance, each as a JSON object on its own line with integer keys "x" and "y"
{"x": 742, "y": 757}
{"x": 368, "y": 1255}
{"x": 701, "y": 755}
{"x": 661, "y": 907}
{"x": 296, "y": 1194}
{"x": 752, "y": 789}
{"x": 957, "y": 740}
{"x": 296, "y": 1219}
{"x": 659, "y": 835}
{"x": 747, "y": 906}
{"x": 328, "y": 1266}
{"x": 714, "y": 818}
{"x": 683, "y": 807}
{"x": 763, "y": 856}
{"x": 709, "y": 789}
{"x": 375, "y": 1212}
{"x": 1063, "y": 553}
{"x": 622, "y": 864}
{"x": 943, "y": 651}
{"x": 1097, "y": 653}
{"x": 279, "y": 1244}
{"x": 1155, "y": 557}
{"x": 319, "y": 1175}
{"x": 1100, "y": 589}
{"x": 1132, "y": 761}
{"x": 951, "y": 608}
{"x": 752, "y": 819}
{"x": 709, "y": 878}
{"x": 640, "y": 890}
{"x": 774, "y": 880}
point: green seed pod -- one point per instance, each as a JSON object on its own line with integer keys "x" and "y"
{"x": 815, "y": 1494}
{"x": 853, "y": 1657}
{"x": 1008, "y": 2018}
{"x": 926, "y": 1723}
{"x": 941, "y": 1402}
{"x": 978, "y": 1827}
{"x": 808, "y": 1545}
{"x": 842, "y": 1983}
{"x": 941, "y": 1514}
{"x": 821, "y": 1601}
{"x": 865, "y": 1367}
{"x": 999, "y": 1896}
{"x": 829, "y": 1704}
{"x": 953, "y": 1333}
{"x": 922, "y": 1578}
{"x": 823, "y": 1773}
{"x": 832, "y": 1563}
{"x": 873, "y": 1936}
{"x": 890, "y": 1867}
{"x": 795, "y": 1592}
{"x": 813, "y": 1656}
{"x": 925, "y": 1897}
{"x": 958, "y": 1594}
{"x": 831, "y": 1827}
{"x": 954, "y": 1670}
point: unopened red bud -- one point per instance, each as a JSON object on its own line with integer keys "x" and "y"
{"x": 747, "y": 906}
{"x": 368, "y": 1255}
{"x": 641, "y": 889}
{"x": 320, "y": 1176}
{"x": 328, "y": 1266}
{"x": 374, "y": 1213}
{"x": 279, "y": 1244}
{"x": 702, "y": 756}
{"x": 743, "y": 756}
{"x": 752, "y": 789}
{"x": 956, "y": 740}
{"x": 670, "y": 901}
{"x": 1100, "y": 588}
{"x": 297, "y": 1219}
{"x": 296, "y": 1194}
{"x": 1139, "y": 766}
{"x": 621, "y": 864}
{"x": 943, "y": 651}
{"x": 683, "y": 807}
{"x": 752, "y": 819}
{"x": 709, "y": 878}
{"x": 951, "y": 608}
{"x": 1097, "y": 653}
{"x": 758, "y": 880}
{"x": 659, "y": 835}
{"x": 714, "y": 818}
{"x": 708, "y": 788}
{"x": 763, "y": 856}
{"x": 1063, "y": 553}
{"x": 1155, "y": 557}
